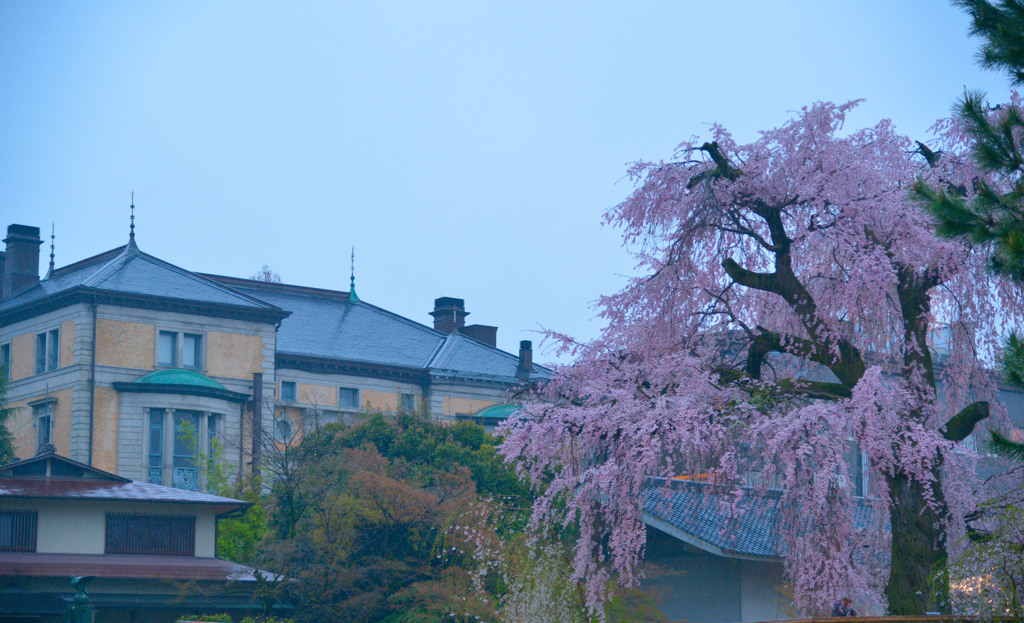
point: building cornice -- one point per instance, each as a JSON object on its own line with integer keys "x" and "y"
{"x": 324, "y": 365}
{"x": 80, "y": 294}
{"x": 181, "y": 390}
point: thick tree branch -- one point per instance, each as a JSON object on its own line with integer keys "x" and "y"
{"x": 962, "y": 424}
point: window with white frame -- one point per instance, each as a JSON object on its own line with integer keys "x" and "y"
{"x": 176, "y": 440}
{"x": 167, "y": 349}
{"x": 174, "y": 349}
{"x": 192, "y": 351}
{"x": 288, "y": 391}
{"x": 348, "y": 398}
{"x": 47, "y": 350}
{"x": 42, "y": 414}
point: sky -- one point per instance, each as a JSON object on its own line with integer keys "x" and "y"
{"x": 465, "y": 149}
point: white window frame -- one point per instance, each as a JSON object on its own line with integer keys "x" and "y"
{"x": 47, "y": 351}
{"x": 356, "y": 402}
{"x": 43, "y": 414}
{"x": 178, "y": 349}
{"x": 295, "y": 391}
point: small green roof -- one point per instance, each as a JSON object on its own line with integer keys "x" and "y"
{"x": 498, "y": 412}
{"x": 187, "y": 382}
{"x": 190, "y": 378}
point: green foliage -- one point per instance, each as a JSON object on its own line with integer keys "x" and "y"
{"x": 355, "y": 514}
{"x": 1006, "y": 448}
{"x": 223, "y": 617}
{"x": 373, "y": 520}
{"x": 239, "y": 538}
{"x": 1002, "y": 26}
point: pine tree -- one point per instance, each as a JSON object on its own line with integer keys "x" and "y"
{"x": 995, "y": 213}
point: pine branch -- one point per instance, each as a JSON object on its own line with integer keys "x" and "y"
{"x": 1006, "y": 448}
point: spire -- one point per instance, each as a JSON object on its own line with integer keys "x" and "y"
{"x": 131, "y": 228}
{"x": 352, "y": 296}
{"x": 53, "y": 229}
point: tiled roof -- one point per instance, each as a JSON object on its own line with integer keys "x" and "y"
{"x": 463, "y": 355}
{"x": 702, "y": 513}
{"x": 51, "y": 476}
{"x": 331, "y": 325}
{"x": 710, "y": 517}
{"x": 32, "y": 564}
{"x": 95, "y": 489}
{"x": 128, "y": 270}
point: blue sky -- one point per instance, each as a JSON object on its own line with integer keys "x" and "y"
{"x": 465, "y": 149}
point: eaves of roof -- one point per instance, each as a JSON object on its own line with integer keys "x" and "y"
{"x": 133, "y": 387}
{"x": 123, "y": 566}
{"x": 327, "y": 365}
{"x": 83, "y": 294}
{"x": 101, "y": 280}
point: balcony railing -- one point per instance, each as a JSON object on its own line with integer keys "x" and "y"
{"x": 186, "y": 478}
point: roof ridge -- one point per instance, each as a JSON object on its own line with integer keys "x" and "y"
{"x": 57, "y": 272}
{"x": 436, "y": 355}
{"x": 199, "y": 277}
{"x": 288, "y": 287}
{"x": 109, "y": 268}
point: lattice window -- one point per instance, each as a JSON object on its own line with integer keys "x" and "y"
{"x": 18, "y": 531}
{"x": 159, "y": 535}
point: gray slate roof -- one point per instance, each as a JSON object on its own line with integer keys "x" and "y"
{"x": 329, "y": 325}
{"x": 701, "y": 512}
{"x": 323, "y": 323}
{"x": 127, "y": 270}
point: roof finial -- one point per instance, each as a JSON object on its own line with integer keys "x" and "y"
{"x": 53, "y": 231}
{"x": 352, "y": 296}
{"x": 131, "y": 231}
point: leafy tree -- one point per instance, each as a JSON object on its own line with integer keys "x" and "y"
{"x": 994, "y": 214}
{"x": 784, "y": 321}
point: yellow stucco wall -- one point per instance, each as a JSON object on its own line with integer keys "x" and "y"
{"x": 385, "y": 401}
{"x": 67, "y": 344}
{"x": 233, "y": 355}
{"x": 22, "y": 353}
{"x": 104, "y": 432}
{"x": 125, "y": 344}
{"x": 322, "y": 395}
{"x": 22, "y": 424}
{"x": 453, "y": 405}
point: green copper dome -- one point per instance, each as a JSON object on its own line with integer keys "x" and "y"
{"x": 498, "y": 412}
{"x": 189, "y": 378}
{"x": 181, "y": 382}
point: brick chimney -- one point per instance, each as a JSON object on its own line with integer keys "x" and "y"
{"x": 449, "y": 314}
{"x": 525, "y": 366}
{"x": 21, "y": 261}
{"x": 482, "y": 333}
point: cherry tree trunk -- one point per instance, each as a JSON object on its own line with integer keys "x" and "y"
{"x": 918, "y": 550}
